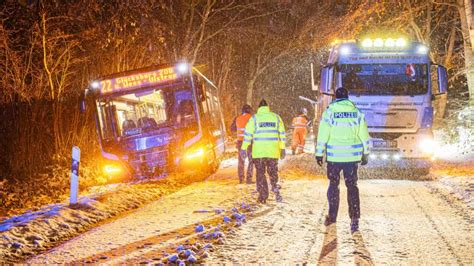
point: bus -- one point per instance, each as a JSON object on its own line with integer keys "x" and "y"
{"x": 157, "y": 120}
{"x": 398, "y": 88}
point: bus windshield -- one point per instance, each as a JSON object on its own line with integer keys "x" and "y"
{"x": 146, "y": 111}
{"x": 385, "y": 79}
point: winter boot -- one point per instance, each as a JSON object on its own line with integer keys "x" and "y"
{"x": 278, "y": 197}
{"x": 328, "y": 220}
{"x": 354, "y": 225}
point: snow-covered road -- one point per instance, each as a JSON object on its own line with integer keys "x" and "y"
{"x": 402, "y": 222}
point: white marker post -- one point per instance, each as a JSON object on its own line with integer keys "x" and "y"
{"x": 76, "y": 158}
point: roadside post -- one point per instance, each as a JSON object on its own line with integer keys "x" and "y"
{"x": 76, "y": 158}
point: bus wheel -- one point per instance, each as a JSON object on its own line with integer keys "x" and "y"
{"x": 212, "y": 164}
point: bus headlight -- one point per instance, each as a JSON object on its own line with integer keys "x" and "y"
{"x": 428, "y": 145}
{"x": 190, "y": 155}
{"x": 112, "y": 169}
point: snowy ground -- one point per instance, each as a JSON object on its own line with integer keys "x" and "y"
{"x": 403, "y": 222}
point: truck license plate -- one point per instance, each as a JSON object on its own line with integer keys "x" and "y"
{"x": 384, "y": 144}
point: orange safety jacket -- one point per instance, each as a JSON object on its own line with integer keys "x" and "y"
{"x": 300, "y": 122}
{"x": 241, "y": 122}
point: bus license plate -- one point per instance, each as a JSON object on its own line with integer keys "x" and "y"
{"x": 384, "y": 144}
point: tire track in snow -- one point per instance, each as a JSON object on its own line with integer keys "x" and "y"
{"x": 311, "y": 252}
{"x": 461, "y": 209}
{"x": 435, "y": 227}
{"x": 179, "y": 237}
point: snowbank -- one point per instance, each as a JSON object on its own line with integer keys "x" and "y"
{"x": 34, "y": 231}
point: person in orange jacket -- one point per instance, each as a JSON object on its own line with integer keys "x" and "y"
{"x": 238, "y": 125}
{"x": 299, "y": 124}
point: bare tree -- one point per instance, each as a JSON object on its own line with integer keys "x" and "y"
{"x": 464, "y": 8}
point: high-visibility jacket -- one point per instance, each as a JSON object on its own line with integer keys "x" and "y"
{"x": 241, "y": 122}
{"x": 342, "y": 133}
{"x": 300, "y": 122}
{"x": 267, "y": 131}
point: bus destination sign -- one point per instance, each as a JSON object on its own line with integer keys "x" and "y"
{"x": 137, "y": 80}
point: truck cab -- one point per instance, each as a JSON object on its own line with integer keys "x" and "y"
{"x": 400, "y": 91}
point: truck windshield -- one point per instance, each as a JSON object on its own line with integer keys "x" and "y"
{"x": 145, "y": 112}
{"x": 385, "y": 79}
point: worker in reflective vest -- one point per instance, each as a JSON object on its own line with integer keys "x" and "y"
{"x": 344, "y": 137}
{"x": 299, "y": 124}
{"x": 238, "y": 126}
{"x": 267, "y": 132}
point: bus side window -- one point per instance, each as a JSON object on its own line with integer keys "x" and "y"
{"x": 200, "y": 90}
{"x": 110, "y": 128}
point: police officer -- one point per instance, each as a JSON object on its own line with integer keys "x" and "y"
{"x": 267, "y": 131}
{"x": 343, "y": 135}
{"x": 238, "y": 125}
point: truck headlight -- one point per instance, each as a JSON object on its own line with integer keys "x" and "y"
{"x": 428, "y": 145}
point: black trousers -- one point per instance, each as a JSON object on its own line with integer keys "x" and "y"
{"x": 350, "y": 177}
{"x": 269, "y": 166}
{"x": 241, "y": 163}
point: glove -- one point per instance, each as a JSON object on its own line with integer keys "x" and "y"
{"x": 243, "y": 154}
{"x": 319, "y": 160}
{"x": 365, "y": 159}
{"x": 282, "y": 154}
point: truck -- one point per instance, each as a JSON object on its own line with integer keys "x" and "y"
{"x": 157, "y": 120}
{"x": 401, "y": 92}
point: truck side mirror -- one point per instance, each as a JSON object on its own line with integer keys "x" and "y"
{"x": 442, "y": 79}
{"x": 324, "y": 85}
{"x": 314, "y": 86}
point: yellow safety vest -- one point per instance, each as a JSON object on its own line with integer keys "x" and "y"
{"x": 342, "y": 133}
{"x": 267, "y": 131}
